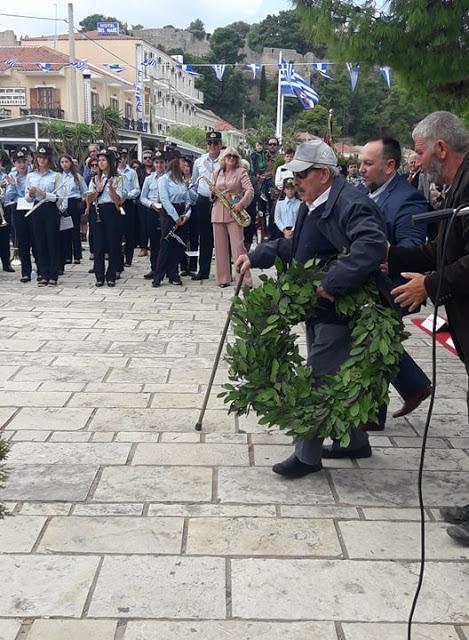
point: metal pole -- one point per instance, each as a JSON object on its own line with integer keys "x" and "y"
{"x": 198, "y": 426}
{"x": 73, "y": 71}
{"x": 279, "y": 123}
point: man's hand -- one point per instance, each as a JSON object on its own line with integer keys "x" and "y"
{"x": 412, "y": 293}
{"x": 287, "y": 233}
{"x": 322, "y": 294}
{"x": 181, "y": 220}
{"x": 242, "y": 264}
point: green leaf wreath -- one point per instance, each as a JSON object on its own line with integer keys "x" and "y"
{"x": 271, "y": 377}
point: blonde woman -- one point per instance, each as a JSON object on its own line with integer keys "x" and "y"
{"x": 232, "y": 181}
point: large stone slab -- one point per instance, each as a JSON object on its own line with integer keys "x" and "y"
{"x": 34, "y": 399}
{"x": 370, "y": 631}
{"x": 19, "y": 533}
{"x": 51, "y": 419}
{"x": 69, "y": 373}
{"x": 165, "y": 587}
{"x": 228, "y": 630}
{"x": 9, "y": 629}
{"x": 45, "y": 585}
{"x": 201, "y": 454}
{"x": 260, "y": 485}
{"x": 72, "y": 630}
{"x": 262, "y": 537}
{"x": 48, "y": 482}
{"x": 122, "y": 419}
{"x": 212, "y": 510}
{"x": 110, "y": 399}
{"x": 68, "y": 453}
{"x": 155, "y": 484}
{"x": 348, "y": 590}
{"x": 118, "y": 534}
{"x": 401, "y": 458}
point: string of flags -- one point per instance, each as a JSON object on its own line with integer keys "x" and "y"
{"x": 293, "y": 85}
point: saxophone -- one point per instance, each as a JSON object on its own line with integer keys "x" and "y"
{"x": 241, "y": 217}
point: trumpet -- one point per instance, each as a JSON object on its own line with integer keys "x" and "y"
{"x": 3, "y": 222}
{"x": 241, "y": 217}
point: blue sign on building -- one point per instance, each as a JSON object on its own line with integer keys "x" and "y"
{"x": 108, "y": 28}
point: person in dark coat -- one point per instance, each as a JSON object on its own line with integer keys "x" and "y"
{"x": 442, "y": 146}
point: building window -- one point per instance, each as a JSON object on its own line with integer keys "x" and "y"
{"x": 94, "y": 100}
{"x": 114, "y": 102}
{"x": 128, "y": 110}
{"x": 45, "y": 98}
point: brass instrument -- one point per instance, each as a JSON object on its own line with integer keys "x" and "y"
{"x": 241, "y": 217}
{"x": 3, "y": 222}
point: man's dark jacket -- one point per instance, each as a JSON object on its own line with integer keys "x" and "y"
{"x": 351, "y": 221}
{"x": 454, "y": 292}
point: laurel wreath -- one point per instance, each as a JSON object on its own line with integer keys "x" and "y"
{"x": 271, "y": 377}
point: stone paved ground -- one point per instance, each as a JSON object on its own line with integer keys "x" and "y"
{"x": 129, "y": 525}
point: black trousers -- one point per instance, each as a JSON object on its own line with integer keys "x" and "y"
{"x": 154, "y": 234}
{"x": 71, "y": 238}
{"x": 129, "y": 229}
{"x": 190, "y": 264}
{"x": 45, "y": 222}
{"x": 106, "y": 238}
{"x": 5, "y": 244}
{"x": 204, "y": 215}
{"x": 171, "y": 251}
{"x": 142, "y": 226}
{"x": 24, "y": 239}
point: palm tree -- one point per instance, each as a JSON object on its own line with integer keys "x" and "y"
{"x": 107, "y": 121}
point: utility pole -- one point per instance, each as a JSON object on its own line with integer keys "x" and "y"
{"x": 73, "y": 71}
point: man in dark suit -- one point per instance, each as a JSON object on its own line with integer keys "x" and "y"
{"x": 442, "y": 146}
{"x": 398, "y": 201}
{"x": 333, "y": 216}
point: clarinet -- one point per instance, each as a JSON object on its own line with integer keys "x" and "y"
{"x": 96, "y": 205}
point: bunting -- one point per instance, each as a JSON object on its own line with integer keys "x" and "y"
{"x": 321, "y": 68}
{"x": 138, "y": 94}
{"x": 353, "y": 68}
{"x": 292, "y": 85}
{"x": 44, "y": 66}
{"x": 219, "y": 70}
{"x": 81, "y": 66}
{"x": 149, "y": 62}
{"x": 254, "y": 69}
{"x": 114, "y": 67}
{"x": 387, "y": 73}
{"x": 11, "y": 62}
{"x": 188, "y": 69}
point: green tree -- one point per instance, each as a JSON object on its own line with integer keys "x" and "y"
{"x": 283, "y": 30}
{"x": 191, "y": 135}
{"x": 225, "y": 44}
{"x": 240, "y": 27}
{"x": 90, "y": 22}
{"x": 197, "y": 27}
{"x": 107, "y": 123}
{"x": 313, "y": 121}
{"x": 263, "y": 85}
{"x": 72, "y": 139}
{"x": 425, "y": 42}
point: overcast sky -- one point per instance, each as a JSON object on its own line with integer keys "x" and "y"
{"x": 179, "y": 13}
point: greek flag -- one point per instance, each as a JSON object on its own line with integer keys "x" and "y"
{"x": 188, "y": 69}
{"x": 387, "y": 73}
{"x": 44, "y": 66}
{"x": 353, "y": 69}
{"x": 114, "y": 67}
{"x": 254, "y": 69}
{"x": 149, "y": 62}
{"x": 294, "y": 86}
{"x": 11, "y": 62}
{"x": 321, "y": 67}
{"x": 219, "y": 70}
{"x": 81, "y": 66}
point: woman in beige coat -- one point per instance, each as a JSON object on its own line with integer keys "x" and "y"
{"x": 233, "y": 182}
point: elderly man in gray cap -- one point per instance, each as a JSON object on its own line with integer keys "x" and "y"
{"x": 334, "y": 216}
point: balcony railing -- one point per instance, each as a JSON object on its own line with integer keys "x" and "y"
{"x": 48, "y": 113}
{"x": 133, "y": 125}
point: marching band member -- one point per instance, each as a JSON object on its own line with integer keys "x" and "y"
{"x": 150, "y": 199}
{"x": 106, "y": 192}
{"x": 72, "y": 192}
{"x": 132, "y": 191}
{"x": 5, "y": 225}
{"x": 176, "y": 203}
{"x": 286, "y": 208}
{"x": 40, "y": 187}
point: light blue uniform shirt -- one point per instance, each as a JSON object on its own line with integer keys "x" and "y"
{"x": 286, "y": 213}
{"x": 205, "y": 166}
{"x": 47, "y": 181}
{"x": 173, "y": 192}
{"x": 131, "y": 186}
{"x": 15, "y": 191}
{"x": 150, "y": 191}
{"x": 69, "y": 188}
{"x": 105, "y": 197}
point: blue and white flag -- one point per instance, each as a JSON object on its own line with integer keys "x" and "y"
{"x": 219, "y": 70}
{"x": 353, "y": 69}
{"x": 294, "y": 86}
{"x": 321, "y": 67}
{"x": 11, "y": 62}
{"x": 188, "y": 69}
{"x": 254, "y": 69}
{"x": 138, "y": 94}
{"x": 80, "y": 65}
{"x": 387, "y": 73}
{"x": 44, "y": 66}
{"x": 114, "y": 67}
{"x": 149, "y": 62}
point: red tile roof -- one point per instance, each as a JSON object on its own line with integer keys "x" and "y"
{"x": 28, "y": 56}
{"x": 223, "y": 125}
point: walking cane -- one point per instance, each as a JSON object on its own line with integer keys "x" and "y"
{"x": 198, "y": 426}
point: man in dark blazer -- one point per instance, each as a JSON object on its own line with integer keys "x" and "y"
{"x": 442, "y": 145}
{"x": 398, "y": 201}
{"x": 333, "y": 216}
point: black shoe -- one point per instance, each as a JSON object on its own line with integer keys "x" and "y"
{"x": 127, "y": 264}
{"x": 455, "y": 515}
{"x": 9, "y": 268}
{"x": 156, "y": 283}
{"x": 199, "y": 276}
{"x": 187, "y": 273}
{"x": 111, "y": 284}
{"x": 149, "y": 275}
{"x": 460, "y": 533}
{"x": 294, "y": 468}
{"x": 372, "y": 426}
{"x": 90, "y": 270}
{"x": 335, "y": 451}
{"x": 99, "y": 283}
{"x": 176, "y": 282}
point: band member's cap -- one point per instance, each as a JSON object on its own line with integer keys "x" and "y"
{"x": 288, "y": 182}
{"x": 44, "y": 151}
{"x": 108, "y": 153}
{"x": 213, "y": 136}
{"x": 19, "y": 154}
{"x": 123, "y": 151}
{"x": 315, "y": 154}
{"x": 158, "y": 155}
